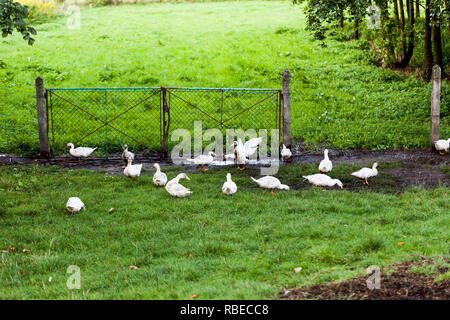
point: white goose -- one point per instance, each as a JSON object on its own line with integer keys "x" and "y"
{"x": 366, "y": 173}
{"x": 159, "y": 178}
{"x": 322, "y": 180}
{"x": 80, "y": 152}
{"x": 203, "y": 160}
{"x": 174, "y": 188}
{"x": 132, "y": 170}
{"x": 269, "y": 182}
{"x": 126, "y": 155}
{"x": 442, "y": 146}
{"x": 74, "y": 205}
{"x": 286, "y": 154}
{"x": 325, "y": 165}
{"x": 244, "y": 151}
{"x": 229, "y": 187}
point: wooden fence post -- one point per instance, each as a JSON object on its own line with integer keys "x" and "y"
{"x": 166, "y": 124}
{"x": 435, "y": 105}
{"x": 44, "y": 144}
{"x": 287, "y": 108}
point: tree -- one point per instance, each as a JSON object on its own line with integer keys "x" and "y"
{"x": 12, "y": 15}
{"x": 428, "y": 52}
{"x": 319, "y": 12}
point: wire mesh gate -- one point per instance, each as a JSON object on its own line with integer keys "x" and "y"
{"x": 143, "y": 118}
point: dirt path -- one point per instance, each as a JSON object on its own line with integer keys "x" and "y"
{"x": 404, "y": 283}
{"x": 418, "y": 167}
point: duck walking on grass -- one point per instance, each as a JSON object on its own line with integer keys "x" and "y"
{"x": 229, "y": 187}
{"x": 366, "y": 173}
{"x": 80, "y": 152}
{"x": 74, "y": 205}
{"x": 270, "y": 183}
{"x": 442, "y": 146}
{"x": 159, "y": 178}
{"x": 286, "y": 154}
{"x": 322, "y": 180}
{"x": 203, "y": 160}
{"x": 325, "y": 165}
{"x": 132, "y": 170}
{"x": 126, "y": 155}
{"x": 175, "y": 189}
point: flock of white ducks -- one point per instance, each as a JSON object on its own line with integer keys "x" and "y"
{"x": 242, "y": 152}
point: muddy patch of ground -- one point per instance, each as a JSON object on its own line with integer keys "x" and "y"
{"x": 409, "y": 281}
{"x": 398, "y": 170}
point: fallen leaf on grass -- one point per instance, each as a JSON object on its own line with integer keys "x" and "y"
{"x": 195, "y": 295}
{"x": 111, "y": 210}
{"x": 25, "y": 250}
{"x": 401, "y": 243}
{"x": 298, "y": 269}
{"x": 11, "y": 249}
{"x": 134, "y": 267}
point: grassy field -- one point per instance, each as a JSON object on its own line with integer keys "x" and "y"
{"x": 339, "y": 96}
{"x": 245, "y": 246}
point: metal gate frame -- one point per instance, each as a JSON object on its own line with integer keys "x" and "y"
{"x": 165, "y": 94}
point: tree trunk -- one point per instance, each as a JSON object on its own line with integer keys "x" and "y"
{"x": 417, "y": 8}
{"x": 402, "y": 26}
{"x": 356, "y": 34}
{"x": 447, "y": 8}
{"x": 427, "y": 54}
{"x": 436, "y": 39}
{"x": 341, "y": 18}
{"x": 397, "y": 18}
{"x": 410, "y": 51}
{"x": 411, "y": 19}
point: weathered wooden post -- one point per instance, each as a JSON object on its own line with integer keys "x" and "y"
{"x": 166, "y": 124}
{"x": 44, "y": 144}
{"x": 287, "y": 108}
{"x": 435, "y": 105}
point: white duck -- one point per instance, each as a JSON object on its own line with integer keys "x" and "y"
{"x": 159, "y": 178}
{"x": 286, "y": 154}
{"x": 80, "y": 152}
{"x": 325, "y": 165}
{"x": 74, "y": 205}
{"x": 229, "y": 187}
{"x": 244, "y": 151}
{"x": 126, "y": 155}
{"x": 366, "y": 173}
{"x": 176, "y": 189}
{"x": 132, "y": 170}
{"x": 322, "y": 180}
{"x": 269, "y": 182}
{"x": 203, "y": 160}
{"x": 442, "y": 146}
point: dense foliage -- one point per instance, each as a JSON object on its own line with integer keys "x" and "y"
{"x": 409, "y": 33}
{"x": 12, "y": 17}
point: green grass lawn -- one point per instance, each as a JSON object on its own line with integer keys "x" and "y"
{"x": 239, "y": 247}
{"x": 338, "y": 95}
